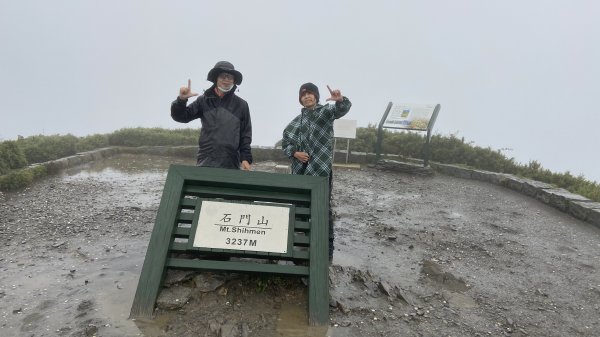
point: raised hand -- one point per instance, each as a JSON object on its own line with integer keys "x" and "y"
{"x": 336, "y": 95}
{"x": 186, "y": 92}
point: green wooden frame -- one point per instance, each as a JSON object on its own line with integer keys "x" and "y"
{"x": 187, "y": 185}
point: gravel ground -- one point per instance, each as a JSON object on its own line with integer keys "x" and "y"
{"x": 415, "y": 256}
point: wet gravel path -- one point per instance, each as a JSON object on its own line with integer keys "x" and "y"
{"x": 415, "y": 256}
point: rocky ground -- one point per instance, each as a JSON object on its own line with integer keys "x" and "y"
{"x": 415, "y": 256}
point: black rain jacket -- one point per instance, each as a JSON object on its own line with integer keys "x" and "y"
{"x": 226, "y": 132}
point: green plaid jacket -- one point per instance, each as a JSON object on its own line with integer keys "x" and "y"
{"x": 312, "y": 132}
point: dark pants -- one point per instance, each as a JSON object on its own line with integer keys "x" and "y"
{"x": 331, "y": 218}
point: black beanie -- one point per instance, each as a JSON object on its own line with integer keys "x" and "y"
{"x": 308, "y": 87}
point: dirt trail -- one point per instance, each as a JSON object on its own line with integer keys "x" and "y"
{"x": 415, "y": 256}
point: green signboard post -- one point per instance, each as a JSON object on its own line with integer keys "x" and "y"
{"x": 270, "y": 216}
{"x": 415, "y": 117}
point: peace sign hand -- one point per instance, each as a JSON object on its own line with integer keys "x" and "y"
{"x": 336, "y": 95}
{"x": 186, "y": 92}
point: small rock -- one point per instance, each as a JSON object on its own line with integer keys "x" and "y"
{"x": 332, "y": 303}
{"x": 175, "y": 276}
{"x": 173, "y": 298}
{"x": 56, "y": 245}
{"x": 245, "y": 330}
{"x": 229, "y": 330}
{"x": 206, "y": 282}
{"x": 91, "y": 330}
{"x": 385, "y": 288}
{"x": 214, "y": 326}
{"x": 343, "y": 308}
{"x": 400, "y": 295}
{"x": 85, "y": 305}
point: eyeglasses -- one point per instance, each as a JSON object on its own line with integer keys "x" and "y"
{"x": 226, "y": 76}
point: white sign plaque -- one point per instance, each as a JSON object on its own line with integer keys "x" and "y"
{"x": 409, "y": 116}
{"x": 227, "y": 225}
{"x": 344, "y": 128}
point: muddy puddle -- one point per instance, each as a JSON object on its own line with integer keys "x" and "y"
{"x": 415, "y": 256}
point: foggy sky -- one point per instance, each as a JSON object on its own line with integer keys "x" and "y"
{"x": 522, "y": 76}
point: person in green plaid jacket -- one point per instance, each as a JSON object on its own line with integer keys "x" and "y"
{"x": 308, "y": 138}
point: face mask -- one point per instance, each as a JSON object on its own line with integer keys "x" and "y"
{"x": 225, "y": 90}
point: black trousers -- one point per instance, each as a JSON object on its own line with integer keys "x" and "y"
{"x": 331, "y": 217}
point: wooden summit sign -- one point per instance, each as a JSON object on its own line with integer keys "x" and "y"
{"x": 270, "y": 216}
{"x": 227, "y": 225}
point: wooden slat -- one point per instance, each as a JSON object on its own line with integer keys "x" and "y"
{"x": 301, "y": 254}
{"x": 301, "y": 240}
{"x": 180, "y": 247}
{"x": 237, "y": 266}
{"x": 301, "y": 226}
{"x": 182, "y": 232}
{"x": 258, "y": 195}
{"x": 186, "y": 217}
{"x": 302, "y": 211}
{"x": 188, "y": 203}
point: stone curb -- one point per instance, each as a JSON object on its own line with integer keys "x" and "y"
{"x": 576, "y": 205}
{"x": 78, "y": 159}
{"x": 53, "y": 166}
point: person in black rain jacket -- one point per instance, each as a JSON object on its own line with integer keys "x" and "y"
{"x": 226, "y": 132}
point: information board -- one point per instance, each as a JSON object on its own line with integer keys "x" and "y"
{"x": 240, "y": 226}
{"x": 410, "y": 116}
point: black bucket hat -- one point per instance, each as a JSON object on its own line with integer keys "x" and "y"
{"x": 224, "y": 67}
